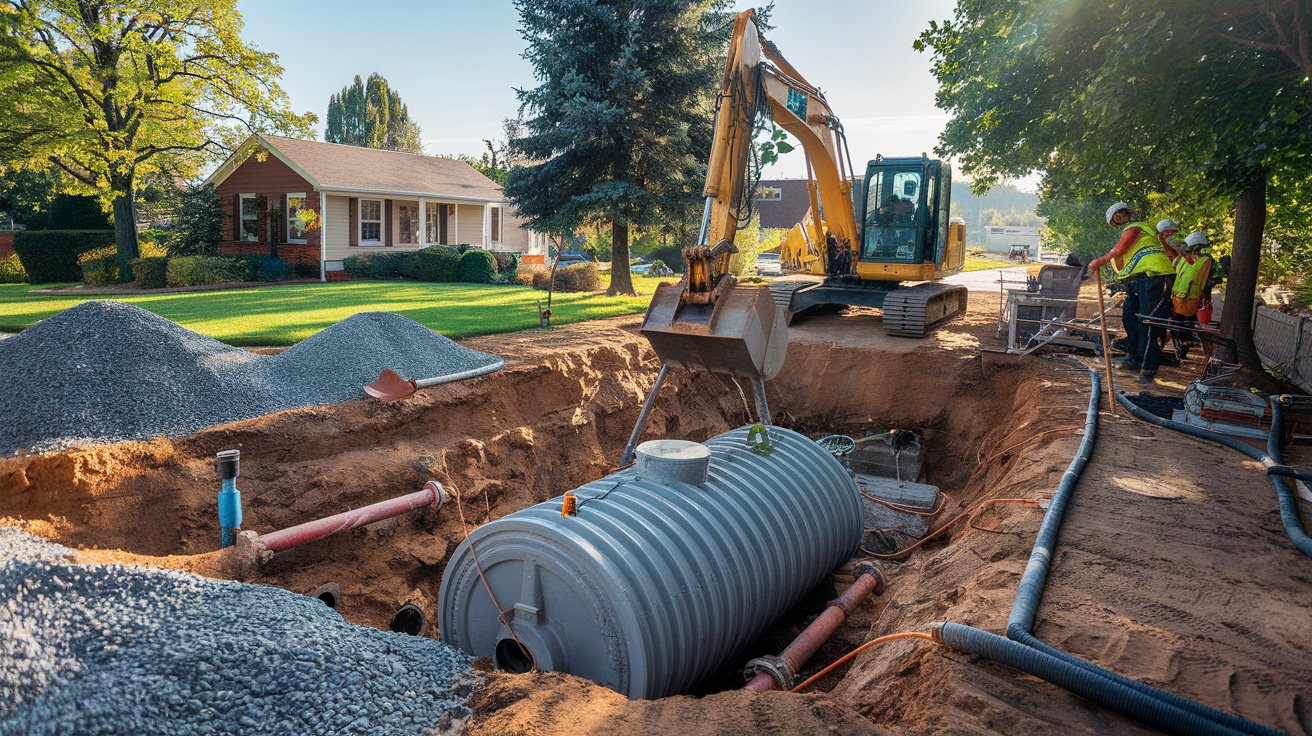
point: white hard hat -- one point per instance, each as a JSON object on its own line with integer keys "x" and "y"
{"x": 1196, "y": 239}
{"x": 1164, "y": 225}
{"x": 1114, "y": 209}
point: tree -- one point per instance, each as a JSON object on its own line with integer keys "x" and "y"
{"x": 1194, "y": 101}
{"x": 621, "y": 121}
{"x": 110, "y": 91}
{"x": 197, "y": 223}
{"x": 371, "y": 114}
{"x": 500, "y": 158}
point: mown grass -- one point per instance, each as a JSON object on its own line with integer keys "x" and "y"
{"x": 976, "y": 263}
{"x": 283, "y": 315}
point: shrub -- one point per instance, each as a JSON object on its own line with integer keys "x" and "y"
{"x": 525, "y": 276}
{"x": 77, "y": 212}
{"x": 579, "y": 277}
{"x": 436, "y": 263}
{"x": 51, "y": 255}
{"x": 275, "y": 269}
{"x": 11, "y": 270}
{"x": 149, "y": 272}
{"x": 199, "y": 270}
{"x": 248, "y": 266}
{"x": 197, "y": 223}
{"x": 507, "y": 262}
{"x": 477, "y": 267}
{"x": 100, "y": 266}
{"x": 387, "y": 265}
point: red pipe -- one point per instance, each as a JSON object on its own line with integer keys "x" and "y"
{"x": 778, "y": 673}
{"x": 294, "y": 536}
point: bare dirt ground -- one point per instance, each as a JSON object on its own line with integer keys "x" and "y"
{"x": 1172, "y": 567}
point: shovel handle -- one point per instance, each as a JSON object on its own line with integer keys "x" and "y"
{"x": 1106, "y": 350}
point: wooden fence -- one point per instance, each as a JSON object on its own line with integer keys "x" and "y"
{"x": 1284, "y": 343}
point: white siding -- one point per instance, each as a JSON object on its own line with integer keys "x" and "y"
{"x": 338, "y": 223}
{"x": 514, "y": 236}
{"x": 471, "y": 225}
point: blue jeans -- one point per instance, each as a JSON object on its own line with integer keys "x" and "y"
{"x": 1146, "y": 296}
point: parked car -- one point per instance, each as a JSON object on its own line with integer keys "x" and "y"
{"x": 769, "y": 264}
{"x": 572, "y": 259}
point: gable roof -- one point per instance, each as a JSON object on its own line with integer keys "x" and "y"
{"x": 335, "y": 166}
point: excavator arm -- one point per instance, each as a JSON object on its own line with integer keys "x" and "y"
{"x": 759, "y": 79}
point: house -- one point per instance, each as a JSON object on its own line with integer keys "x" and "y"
{"x": 366, "y": 199}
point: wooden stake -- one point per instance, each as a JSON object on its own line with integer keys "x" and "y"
{"x": 1106, "y": 349}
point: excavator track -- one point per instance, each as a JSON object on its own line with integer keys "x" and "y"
{"x": 913, "y": 311}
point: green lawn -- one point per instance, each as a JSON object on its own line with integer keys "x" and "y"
{"x": 976, "y": 263}
{"x": 282, "y": 315}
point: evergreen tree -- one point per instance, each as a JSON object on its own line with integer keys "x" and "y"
{"x": 621, "y": 121}
{"x": 372, "y": 115}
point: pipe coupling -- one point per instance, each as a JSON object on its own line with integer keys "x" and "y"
{"x": 778, "y": 670}
{"x": 439, "y": 493}
{"x": 936, "y": 631}
{"x": 870, "y": 568}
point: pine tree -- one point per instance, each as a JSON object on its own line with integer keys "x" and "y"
{"x": 621, "y": 121}
{"x": 371, "y": 114}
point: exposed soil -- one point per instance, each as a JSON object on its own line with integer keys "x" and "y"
{"x": 1172, "y": 568}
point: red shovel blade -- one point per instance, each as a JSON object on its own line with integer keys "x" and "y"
{"x": 389, "y": 386}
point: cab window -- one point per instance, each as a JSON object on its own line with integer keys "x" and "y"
{"x": 892, "y": 213}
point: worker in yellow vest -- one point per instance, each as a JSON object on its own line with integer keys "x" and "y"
{"x": 1193, "y": 270}
{"x": 1140, "y": 263}
{"x": 1166, "y": 232}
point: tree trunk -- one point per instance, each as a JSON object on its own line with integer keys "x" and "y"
{"x": 1241, "y": 283}
{"x": 621, "y": 280}
{"x": 125, "y": 229}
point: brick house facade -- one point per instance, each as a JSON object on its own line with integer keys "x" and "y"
{"x": 365, "y": 199}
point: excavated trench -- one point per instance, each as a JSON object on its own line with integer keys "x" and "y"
{"x": 557, "y": 417}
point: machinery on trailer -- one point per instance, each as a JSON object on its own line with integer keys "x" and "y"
{"x": 864, "y": 239}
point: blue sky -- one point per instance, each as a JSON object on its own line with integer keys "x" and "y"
{"x": 456, "y": 63}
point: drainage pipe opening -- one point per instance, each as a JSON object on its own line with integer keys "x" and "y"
{"x": 329, "y": 593}
{"x": 408, "y": 619}
{"x": 512, "y": 657}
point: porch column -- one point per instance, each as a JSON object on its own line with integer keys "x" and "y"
{"x": 487, "y": 224}
{"x": 423, "y": 222}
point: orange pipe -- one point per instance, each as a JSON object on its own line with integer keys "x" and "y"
{"x": 778, "y": 673}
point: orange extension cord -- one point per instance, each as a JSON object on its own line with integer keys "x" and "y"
{"x": 955, "y": 519}
{"x": 847, "y": 657}
{"x": 501, "y": 614}
{"x": 942, "y": 501}
{"x": 1023, "y": 443}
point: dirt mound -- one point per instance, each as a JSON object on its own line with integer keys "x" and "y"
{"x": 104, "y": 372}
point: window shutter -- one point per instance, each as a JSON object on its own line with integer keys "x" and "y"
{"x": 234, "y": 223}
{"x": 354, "y": 210}
{"x": 389, "y": 224}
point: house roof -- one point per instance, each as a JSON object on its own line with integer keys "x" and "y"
{"x": 330, "y": 166}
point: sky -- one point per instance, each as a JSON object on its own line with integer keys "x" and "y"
{"x": 456, "y": 64}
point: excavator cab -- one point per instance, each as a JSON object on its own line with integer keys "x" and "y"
{"x": 905, "y": 223}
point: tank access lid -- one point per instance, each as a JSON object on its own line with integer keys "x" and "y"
{"x": 670, "y": 461}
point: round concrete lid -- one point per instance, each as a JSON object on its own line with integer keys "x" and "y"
{"x": 667, "y": 461}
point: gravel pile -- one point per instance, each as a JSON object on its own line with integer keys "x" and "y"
{"x": 104, "y": 371}
{"x": 108, "y": 649}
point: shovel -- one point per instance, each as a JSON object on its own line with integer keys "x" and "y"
{"x": 390, "y": 386}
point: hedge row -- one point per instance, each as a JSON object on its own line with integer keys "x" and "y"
{"x": 579, "y": 277}
{"x": 436, "y": 263}
{"x": 51, "y": 255}
{"x": 100, "y": 266}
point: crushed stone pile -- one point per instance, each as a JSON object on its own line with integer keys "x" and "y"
{"x": 105, "y": 372}
{"x": 109, "y": 649}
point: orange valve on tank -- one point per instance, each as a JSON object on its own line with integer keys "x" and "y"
{"x": 569, "y": 505}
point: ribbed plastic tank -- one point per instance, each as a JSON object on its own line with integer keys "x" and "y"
{"x": 656, "y": 581}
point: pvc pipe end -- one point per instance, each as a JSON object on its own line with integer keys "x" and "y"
{"x": 228, "y": 464}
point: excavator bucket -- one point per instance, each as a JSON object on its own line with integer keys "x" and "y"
{"x": 743, "y": 333}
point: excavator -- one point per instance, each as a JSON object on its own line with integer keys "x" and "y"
{"x": 864, "y": 238}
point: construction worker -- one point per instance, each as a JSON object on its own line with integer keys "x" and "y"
{"x": 1166, "y": 232}
{"x": 1140, "y": 262}
{"x": 1193, "y": 270}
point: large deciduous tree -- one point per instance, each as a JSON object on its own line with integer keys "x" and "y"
{"x": 371, "y": 114}
{"x": 621, "y": 121}
{"x": 1196, "y": 103}
{"x": 109, "y": 91}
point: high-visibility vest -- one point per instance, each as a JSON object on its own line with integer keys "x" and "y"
{"x": 1146, "y": 257}
{"x": 1190, "y": 278}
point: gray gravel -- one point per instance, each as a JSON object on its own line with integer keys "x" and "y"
{"x": 105, "y": 371}
{"x": 109, "y": 649}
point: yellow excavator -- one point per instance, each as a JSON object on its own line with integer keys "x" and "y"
{"x": 904, "y": 234}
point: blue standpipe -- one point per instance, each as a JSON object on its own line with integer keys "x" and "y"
{"x": 228, "y": 464}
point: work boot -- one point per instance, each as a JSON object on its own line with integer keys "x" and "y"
{"x": 1129, "y": 365}
{"x": 1120, "y": 344}
{"x": 1147, "y": 377}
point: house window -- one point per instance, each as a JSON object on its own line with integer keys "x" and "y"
{"x": 433, "y": 220}
{"x": 250, "y": 219}
{"x": 371, "y": 221}
{"x": 769, "y": 194}
{"x": 295, "y": 228}
{"x": 496, "y": 225}
{"x": 407, "y": 218}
